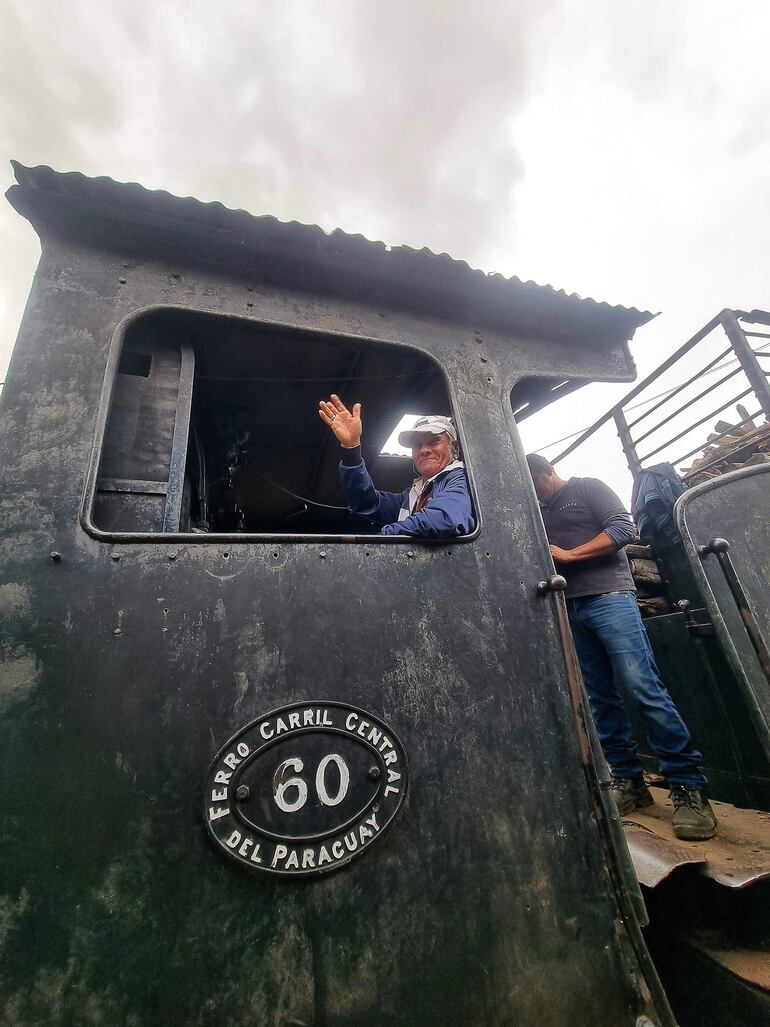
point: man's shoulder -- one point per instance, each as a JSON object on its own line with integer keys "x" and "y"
{"x": 452, "y": 474}
{"x": 581, "y": 494}
{"x": 574, "y": 487}
{"x": 588, "y": 487}
{"x": 587, "y": 483}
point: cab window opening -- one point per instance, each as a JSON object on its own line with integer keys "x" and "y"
{"x": 213, "y": 426}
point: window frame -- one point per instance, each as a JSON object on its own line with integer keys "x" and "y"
{"x": 241, "y": 538}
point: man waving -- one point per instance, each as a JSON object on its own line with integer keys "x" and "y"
{"x": 438, "y": 505}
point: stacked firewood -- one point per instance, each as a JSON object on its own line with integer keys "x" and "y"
{"x": 648, "y": 581}
{"x": 729, "y": 447}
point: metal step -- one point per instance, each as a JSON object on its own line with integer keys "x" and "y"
{"x": 738, "y": 856}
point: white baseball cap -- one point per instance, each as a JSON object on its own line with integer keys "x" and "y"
{"x": 434, "y": 424}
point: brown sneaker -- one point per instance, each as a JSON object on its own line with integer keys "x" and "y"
{"x": 693, "y": 818}
{"x": 630, "y": 793}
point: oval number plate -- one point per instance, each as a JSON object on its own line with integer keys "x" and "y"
{"x": 305, "y": 789}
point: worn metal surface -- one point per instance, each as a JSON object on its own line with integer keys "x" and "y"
{"x": 734, "y": 507}
{"x": 712, "y": 946}
{"x": 739, "y": 855}
{"x": 605, "y": 810}
{"x": 750, "y": 965}
{"x": 720, "y": 547}
{"x": 710, "y": 986}
{"x": 700, "y": 680}
{"x": 127, "y": 667}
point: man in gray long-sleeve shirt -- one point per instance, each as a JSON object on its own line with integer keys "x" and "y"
{"x": 587, "y": 527}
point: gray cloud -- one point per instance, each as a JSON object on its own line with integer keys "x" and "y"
{"x": 393, "y": 120}
{"x": 395, "y": 115}
{"x": 600, "y": 151}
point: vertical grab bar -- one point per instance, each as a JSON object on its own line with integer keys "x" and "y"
{"x": 720, "y": 547}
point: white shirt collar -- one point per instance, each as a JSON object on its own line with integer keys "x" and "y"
{"x": 418, "y": 485}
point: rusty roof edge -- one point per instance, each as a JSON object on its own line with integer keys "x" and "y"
{"x": 42, "y": 178}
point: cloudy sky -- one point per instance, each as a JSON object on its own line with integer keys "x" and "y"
{"x": 617, "y": 149}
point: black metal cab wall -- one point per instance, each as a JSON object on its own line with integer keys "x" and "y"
{"x": 211, "y": 696}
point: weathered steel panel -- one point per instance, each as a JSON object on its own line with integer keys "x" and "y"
{"x": 734, "y": 507}
{"x": 127, "y": 668}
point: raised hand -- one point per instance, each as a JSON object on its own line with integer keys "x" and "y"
{"x": 345, "y": 425}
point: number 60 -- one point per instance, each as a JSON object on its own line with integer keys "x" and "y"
{"x": 281, "y": 783}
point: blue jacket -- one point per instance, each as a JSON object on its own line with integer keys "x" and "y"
{"x": 656, "y": 490}
{"x": 447, "y": 514}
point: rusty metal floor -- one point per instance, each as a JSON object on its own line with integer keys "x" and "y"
{"x": 736, "y": 857}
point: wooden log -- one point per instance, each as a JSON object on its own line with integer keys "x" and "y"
{"x": 646, "y": 571}
{"x": 639, "y": 551}
{"x": 748, "y": 422}
{"x": 653, "y": 607}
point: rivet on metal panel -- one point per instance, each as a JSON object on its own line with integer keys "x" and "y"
{"x": 374, "y": 773}
{"x": 322, "y": 554}
{"x": 484, "y": 360}
{"x": 54, "y": 555}
{"x": 117, "y": 631}
{"x": 115, "y": 556}
{"x": 410, "y": 554}
{"x": 172, "y": 556}
{"x": 122, "y": 281}
{"x": 242, "y": 792}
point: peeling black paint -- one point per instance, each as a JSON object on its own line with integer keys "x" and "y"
{"x": 489, "y": 900}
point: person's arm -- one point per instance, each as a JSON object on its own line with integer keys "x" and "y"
{"x": 446, "y": 516}
{"x": 618, "y": 529}
{"x": 599, "y": 545}
{"x": 361, "y": 495}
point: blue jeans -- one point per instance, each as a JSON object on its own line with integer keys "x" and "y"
{"x": 611, "y": 643}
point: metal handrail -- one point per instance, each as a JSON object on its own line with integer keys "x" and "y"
{"x": 669, "y": 362}
{"x": 748, "y": 363}
{"x": 689, "y": 403}
{"x": 697, "y": 424}
{"x": 680, "y": 388}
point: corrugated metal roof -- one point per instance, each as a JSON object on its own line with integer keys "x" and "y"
{"x": 265, "y": 234}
